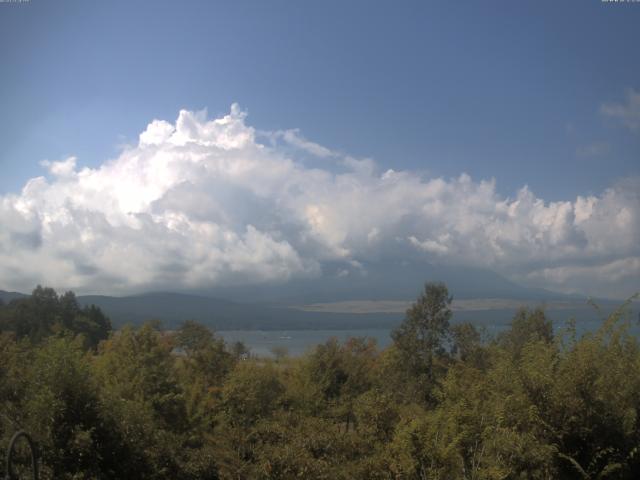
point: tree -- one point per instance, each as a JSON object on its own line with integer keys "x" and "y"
{"x": 193, "y": 337}
{"x": 239, "y": 350}
{"x": 34, "y": 316}
{"x": 61, "y": 410}
{"x": 468, "y": 344}
{"x": 202, "y": 363}
{"x": 340, "y": 373}
{"x": 92, "y": 324}
{"x": 68, "y": 309}
{"x": 251, "y": 394}
{"x": 421, "y": 337}
{"x": 141, "y": 395}
{"x": 527, "y": 326}
{"x": 44, "y": 313}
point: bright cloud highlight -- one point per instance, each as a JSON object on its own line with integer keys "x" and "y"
{"x": 202, "y": 203}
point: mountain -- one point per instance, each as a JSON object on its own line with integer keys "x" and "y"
{"x": 268, "y": 306}
{"x": 386, "y": 281}
{"x": 173, "y": 308}
{"x": 6, "y": 297}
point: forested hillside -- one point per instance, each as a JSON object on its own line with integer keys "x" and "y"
{"x": 443, "y": 402}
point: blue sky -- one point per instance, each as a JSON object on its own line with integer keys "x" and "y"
{"x": 501, "y": 135}
{"x": 502, "y": 89}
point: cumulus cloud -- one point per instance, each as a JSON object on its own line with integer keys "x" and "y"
{"x": 294, "y": 138}
{"x": 200, "y": 203}
{"x": 432, "y": 246}
{"x": 619, "y": 273}
{"x": 62, "y": 168}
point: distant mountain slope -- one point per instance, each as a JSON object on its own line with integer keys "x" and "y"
{"x": 383, "y": 280}
{"x": 173, "y": 308}
{"x": 6, "y": 297}
{"x": 168, "y": 307}
{"x": 387, "y": 281}
{"x": 268, "y": 306}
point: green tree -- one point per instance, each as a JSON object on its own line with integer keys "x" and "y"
{"x": 92, "y": 324}
{"x": 251, "y": 394}
{"x": 420, "y": 339}
{"x": 527, "y": 326}
{"x": 34, "y": 316}
{"x": 193, "y": 337}
{"x": 44, "y": 313}
{"x": 468, "y": 345}
{"x": 239, "y": 350}
{"x": 595, "y": 406}
{"x": 61, "y": 409}
{"x": 140, "y": 395}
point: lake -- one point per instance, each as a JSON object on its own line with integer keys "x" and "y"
{"x": 298, "y": 342}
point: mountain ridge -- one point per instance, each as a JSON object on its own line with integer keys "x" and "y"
{"x": 374, "y": 296}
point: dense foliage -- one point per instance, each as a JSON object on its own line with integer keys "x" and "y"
{"x": 442, "y": 402}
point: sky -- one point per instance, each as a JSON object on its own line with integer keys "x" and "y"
{"x": 145, "y": 145}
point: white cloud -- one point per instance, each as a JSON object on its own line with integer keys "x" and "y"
{"x": 619, "y": 273}
{"x": 438, "y": 247}
{"x": 628, "y": 112}
{"x": 202, "y": 202}
{"x": 294, "y": 138}
{"x": 157, "y": 133}
{"x": 62, "y": 168}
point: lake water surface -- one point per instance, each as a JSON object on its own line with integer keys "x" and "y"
{"x": 298, "y": 342}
